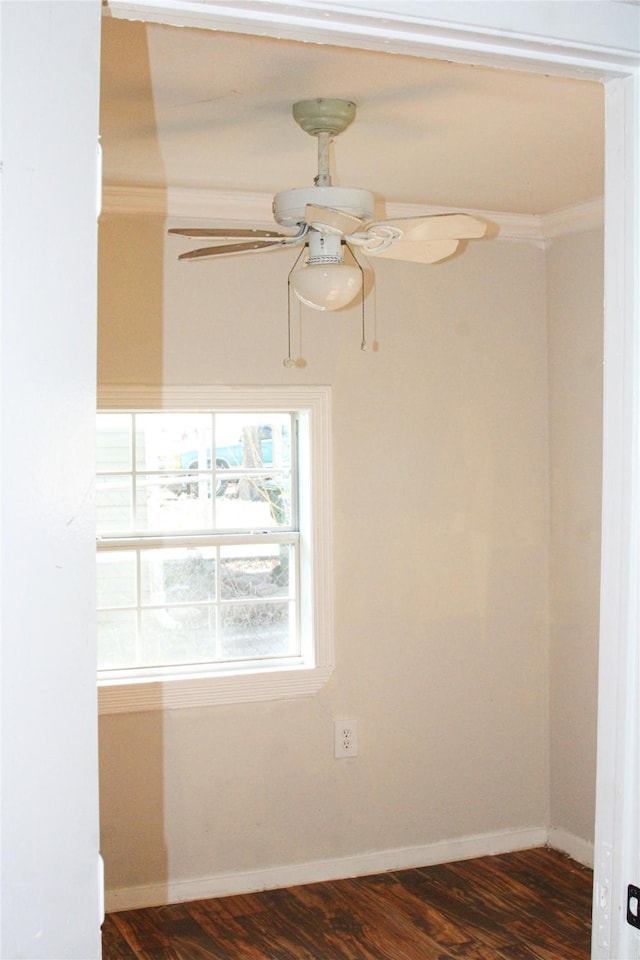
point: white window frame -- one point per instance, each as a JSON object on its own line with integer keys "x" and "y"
{"x": 253, "y": 680}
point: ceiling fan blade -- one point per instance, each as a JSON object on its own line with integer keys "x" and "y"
{"x": 416, "y": 251}
{"x": 441, "y": 226}
{"x": 228, "y": 233}
{"x": 250, "y": 247}
{"x": 319, "y": 217}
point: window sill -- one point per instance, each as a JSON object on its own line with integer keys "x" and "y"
{"x": 137, "y": 696}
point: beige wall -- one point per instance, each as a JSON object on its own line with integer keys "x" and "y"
{"x": 441, "y": 475}
{"x": 575, "y": 299}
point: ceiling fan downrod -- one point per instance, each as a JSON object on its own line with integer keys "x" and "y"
{"x": 323, "y": 177}
{"x": 324, "y": 118}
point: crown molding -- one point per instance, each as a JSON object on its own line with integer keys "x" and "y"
{"x": 233, "y": 207}
{"x": 575, "y": 219}
{"x": 187, "y": 202}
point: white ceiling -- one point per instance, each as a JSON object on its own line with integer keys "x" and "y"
{"x": 185, "y": 107}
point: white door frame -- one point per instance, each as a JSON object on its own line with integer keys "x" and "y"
{"x": 49, "y": 833}
{"x": 592, "y": 40}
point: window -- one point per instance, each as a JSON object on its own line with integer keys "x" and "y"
{"x": 214, "y": 546}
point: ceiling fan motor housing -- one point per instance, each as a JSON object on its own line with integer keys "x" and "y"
{"x": 289, "y": 206}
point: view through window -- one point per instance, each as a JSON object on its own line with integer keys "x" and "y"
{"x": 197, "y": 554}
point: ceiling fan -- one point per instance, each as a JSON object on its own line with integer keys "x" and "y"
{"x": 324, "y": 218}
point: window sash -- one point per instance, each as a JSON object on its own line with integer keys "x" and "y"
{"x": 135, "y": 475}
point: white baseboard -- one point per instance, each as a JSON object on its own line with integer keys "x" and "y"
{"x": 315, "y": 871}
{"x": 578, "y": 849}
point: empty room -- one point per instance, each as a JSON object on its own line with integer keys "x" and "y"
{"x": 458, "y": 595}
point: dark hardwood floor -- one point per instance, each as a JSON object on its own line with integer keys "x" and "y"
{"x": 532, "y": 905}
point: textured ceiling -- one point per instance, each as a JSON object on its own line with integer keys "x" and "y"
{"x": 185, "y": 107}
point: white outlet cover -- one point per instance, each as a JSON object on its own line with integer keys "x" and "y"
{"x": 345, "y": 739}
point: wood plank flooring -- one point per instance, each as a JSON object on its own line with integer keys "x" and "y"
{"x": 531, "y": 905}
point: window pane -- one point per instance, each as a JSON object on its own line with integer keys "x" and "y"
{"x": 173, "y": 441}
{"x": 255, "y": 502}
{"x": 254, "y": 439}
{"x": 114, "y": 503}
{"x": 175, "y": 635}
{"x": 117, "y": 579}
{"x": 178, "y": 575}
{"x": 181, "y": 502}
{"x": 255, "y": 630}
{"x": 116, "y": 639}
{"x": 255, "y": 571}
{"x": 240, "y": 438}
{"x": 113, "y": 442}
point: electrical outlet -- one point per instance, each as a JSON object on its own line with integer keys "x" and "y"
{"x": 345, "y": 738}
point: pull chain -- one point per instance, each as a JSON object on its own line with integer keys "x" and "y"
{"x": 289, "y": 361}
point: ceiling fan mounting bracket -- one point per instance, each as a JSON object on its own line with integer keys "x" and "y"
{"x": 324, "y": 115}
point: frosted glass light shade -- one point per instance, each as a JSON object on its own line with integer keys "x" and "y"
{"x": 326, "y": 286}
